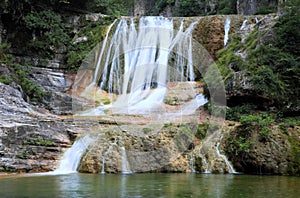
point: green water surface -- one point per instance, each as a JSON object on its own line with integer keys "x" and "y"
{"x": 149, "y": 185}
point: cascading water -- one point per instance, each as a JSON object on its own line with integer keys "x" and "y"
{"x": 226, "y": 29}
{"x": 211, "y": 156}
{"x": 140, "y": 67}
{"x": 228, "y": 164}
{"x": 135, "y": 65}
{"x": 105, "y": 154}
{"x": 125, "y": 163}
{"x": 72, "y": 156}
{"x": 244, "y": 24}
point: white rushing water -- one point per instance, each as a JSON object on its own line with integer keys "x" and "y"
{"x": 72, "y": 156}
{"x": 134, "y": 64}
{"x": 226, "y": 29}
{"x": 244, "y": 24}
{"x": 125, "y": 163}
{"x": 106, "y": 153}
{"x": 228, "y": 164}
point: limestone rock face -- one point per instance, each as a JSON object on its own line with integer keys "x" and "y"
{"x": 147, "y": 150}
{"x": 249, "y": 7}
{"x": 276, "y": 155}
{"x": 239, "y": 85}
{"x": 30, "y": 139}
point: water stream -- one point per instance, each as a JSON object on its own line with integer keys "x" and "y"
{"x": 137, "y": 63}
{"x": 226, "y": 29}
{"x": 125, "y": 163}
{"x": 244, "y": 24}
{"x": 228, "y": 164}
{"x": 106, "y": 153}
{"x": 72, "y": 156}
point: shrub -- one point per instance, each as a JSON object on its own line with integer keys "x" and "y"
{"x": 260, "y": 123}
{"x": 234, "y": 113}
{"x": 49, "y": 31}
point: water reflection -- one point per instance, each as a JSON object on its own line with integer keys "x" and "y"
{"x": 150, "y": 185}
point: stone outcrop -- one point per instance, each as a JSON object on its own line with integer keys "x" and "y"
{"x": 147, "y": 150}
{"x": 278, "y": 154}
{"x": 31, "y": 139}
{"x": 243, "y": 7}
{"x": 250, "y": 7}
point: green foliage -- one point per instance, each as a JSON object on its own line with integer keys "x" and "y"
{"x": 158, "y": 7}
{"x": 77, "y": 52}
{"x": 32, "y": 90}
{"x": 227, "y": 7}
{"x": 288, "y": 33}
{"x": 41, "y": 142}
{"x": 266, "y": 82}
{"x": 202, "y": 130}
{"x": 289, "y": 122}
{"x": 266, "y": 10}
{"x": 49, "y": 31}
{"x": 239, "y": 146}
{"x": 5, "y": 56}
{"x": 188, "y": 8}
{"x": 272, "y": 63}
{"x": 234, "y": 113}
{"x": 147, "y": 130}
{"x": 21, "y": 156}
{"x": 293, "y": 166}
{"x": 113, "y": 7}
{"x": 260, "y": 123}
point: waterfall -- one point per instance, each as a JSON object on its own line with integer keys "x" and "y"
{"x": 102, "y": 52}
{"x": 226, "y": 28}
{"x": 134, "y": 64}
{"x": 125, "y": 163}
{"x": 244, "y": 24}
{"x": 210, "y": 154}
{"x": 228, "y": 164}
{"x": 72, "y": 156}
{"x": 105, "y": 154}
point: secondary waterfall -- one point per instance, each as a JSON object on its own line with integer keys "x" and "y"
{"x": 72, "y": 156}
{"x": 228, "y": 164}
{"x": 226, "y": 29}
{"x": 244, "y": 24}
{"x": 125, "y": 163}
{"x": 136, "y": 64}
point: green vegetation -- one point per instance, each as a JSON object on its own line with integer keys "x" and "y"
{"x": 147, "y": 130}
{"x": 38, "y": 141}
{"x": 238, "y": 146}
{"x": 260, "y": 123}
{"x": 241, "y": 140}
{"x": 234, "y": 113}
{"x": 48, "y": 30}
{"x": 5, "y": 56}
{"x": 19, "y": 75}
{"x": 227, "y": 7}
{"x": 94, "y": 31}
{"x": 31, "y": 89}
{"x": 202, "y": 130}
{"x": 271, "y": 65}
{"x": 266, "y": 10}
{"x": 186, "y": 8}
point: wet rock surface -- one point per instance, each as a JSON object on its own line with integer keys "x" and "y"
{"x": 278, "y": 154}
{"x": 31, "y": 138}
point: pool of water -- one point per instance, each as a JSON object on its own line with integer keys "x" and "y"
{"x": 149, "y": 185}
